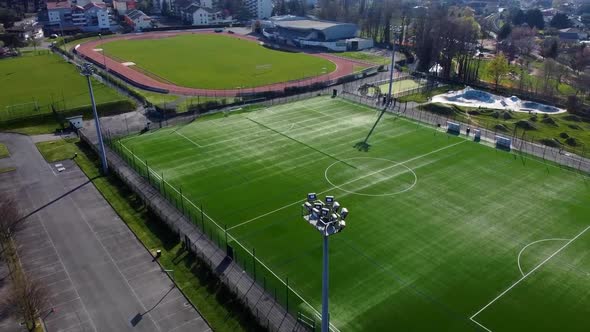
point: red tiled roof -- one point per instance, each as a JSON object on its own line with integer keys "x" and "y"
{"x": 58, "y": 5}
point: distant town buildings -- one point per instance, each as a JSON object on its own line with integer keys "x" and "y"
{"x": 259, "y": 9}
{"x": 78, "y": 15}
{"x": 304, "y": 32}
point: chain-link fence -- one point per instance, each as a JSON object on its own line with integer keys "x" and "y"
{"x": 521, "y": 142}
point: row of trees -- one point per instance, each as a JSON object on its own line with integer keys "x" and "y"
{"x": 27, "y": 296}
{"x": 449, "y": 39}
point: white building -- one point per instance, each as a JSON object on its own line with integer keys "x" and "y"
{"x": 196, "y": 15}
{"x": 138, "y": 20}
{"x": 97, "y": 15}
{"x": 260, "y": 9}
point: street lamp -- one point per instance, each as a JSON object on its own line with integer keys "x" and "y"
{"x": 328, "y": 219}
{"x": 104, "y": 59}
{"x": 87, "y": 70}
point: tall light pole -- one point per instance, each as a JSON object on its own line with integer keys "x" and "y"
{"x": 389, "y": 97}
{"x": 328, "y": 219}
{"x": 87, "y": 70}
{"x": 104, "y": 59}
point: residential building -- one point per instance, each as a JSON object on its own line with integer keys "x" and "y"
{"x": 138, "y": 20}
{"x": 572, "y": 35}
{"x": 63, "y": 16}
{"x": 196, "y": 15}
{"x": 260, "y": 9}
{"x": 57, "y": 12}
{"x": 123, "y": 6}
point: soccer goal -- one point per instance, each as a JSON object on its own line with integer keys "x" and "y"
{"x": 503, "y": 143}
{"x": 453, "y": 128}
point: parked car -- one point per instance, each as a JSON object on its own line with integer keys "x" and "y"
{"x": 53, "y": 36}
{"x": 230, "y": 32}
{"x": 218, "y": 30}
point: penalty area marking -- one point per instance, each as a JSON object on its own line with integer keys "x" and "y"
{"x": 472, "y": 318}
{"x": 530, "y": 244}
{"x": 395, "y": 164}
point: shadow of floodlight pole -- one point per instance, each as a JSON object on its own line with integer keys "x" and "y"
{"x": 364, "y": 145}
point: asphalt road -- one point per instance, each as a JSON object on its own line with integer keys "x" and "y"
{"x": 99, "y": 277}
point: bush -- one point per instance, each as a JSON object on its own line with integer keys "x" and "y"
{"x": 572, "y": 141}
{"x": 534, "y": 118}
{"x": 501, "y": 127}
{"x": 549, "y": 121}
{"x": 438, "y": 108}
{"x": 575, "y": 126}
{"x": 551, "y": 142}
{"x": 564, "y": 135}
{"x": 526, "y": 125}
{"x": 572, "y": 117}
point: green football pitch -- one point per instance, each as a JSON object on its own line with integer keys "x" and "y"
{"x": 400, "y": 86}
{"x": 444, "y": 234}
{"x": 216, "y": 61}
{"x": 31, "y": 83}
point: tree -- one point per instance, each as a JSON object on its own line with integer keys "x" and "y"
{"x": 534, "y": 18}
{"x": 10, "y": 217}
{"x": 551, "y": 69}
{"x": 499, "y": 67}
{"x": 518, "y": 18}
{"x": 550, "y": 48}
{"x": 165, "y": 9}
{"x": 8, "y": 17}
{"x": 26, "y": 299}
{"x": 560, "y": 21}
{"x": 505, "y": 31}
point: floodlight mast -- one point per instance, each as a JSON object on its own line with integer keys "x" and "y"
{"x": 328, "y": 219}
{"x": 87, "y": 70}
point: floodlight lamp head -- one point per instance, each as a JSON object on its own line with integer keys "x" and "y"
{"x": 335, "y": 206}
{"x": 311, "y": 197}
{"x": 344, "y": 213}
{"x": 308, "y": 206}
{"x": 325, "y": 212}
{"x": 318, "y": 205}
{"x": 329, "y": 200}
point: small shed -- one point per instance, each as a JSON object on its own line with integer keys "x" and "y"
{"x": 76, "y": 121}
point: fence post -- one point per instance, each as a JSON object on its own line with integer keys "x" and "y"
{"x": 181, "y": 199}
{"x": 147, "y": 170}
{"x": 254, "y": 263}
{"x": 287, "y": 291}
{"x": 225, "y": 232}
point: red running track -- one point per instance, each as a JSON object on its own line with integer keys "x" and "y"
{"x": 343, "y": 67}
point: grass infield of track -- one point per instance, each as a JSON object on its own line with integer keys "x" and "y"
{"x": 216, "y": 61}
{"x": 442, "y": 233}
{"x": 44, "y": 79}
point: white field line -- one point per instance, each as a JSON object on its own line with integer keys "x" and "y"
{"x": 524, "y": 277}
{"x": 530, "y": 244}
{"x": 188, "y": 139}
{"x": 351, "y": 181}
{"x": 332, "y": 327}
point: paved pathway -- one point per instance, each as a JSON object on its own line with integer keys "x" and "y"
{"x": 100, "y": 278}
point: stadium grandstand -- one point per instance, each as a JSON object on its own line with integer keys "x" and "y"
{"x": 305, "y": 32}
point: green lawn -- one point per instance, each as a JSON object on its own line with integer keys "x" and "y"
{"x": 202, "y": 288}
{"x": 400, "y": 86}
{"x": 30, "y": 84}
{"x": 572, "y": 132}
{"x": 531, "y": 81}
{"x": 439, "y": 226}
{"x": 366, "y": 57}
{"x": 4, "y": 151}
{"x": 216, "y": 61}
{"x": 423, "y": 97}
